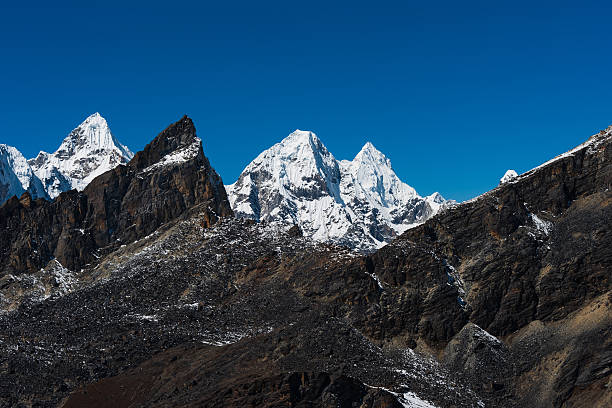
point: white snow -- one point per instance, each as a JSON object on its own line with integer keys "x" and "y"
{"x": 411, "y": 400}
{"x": 178, "y": 156}
{"x": 437, "y": 202}
{"x": 376, "y": 278}
{"x": 408, "y": 399}
{"x": 64, "y": 278}
{"x": 298, "y": 181}
{"x": 541, "y": 225}
{"x": 16, "y": 176}
{"x": 508, "y": 176}
{"x": 88, "y": 151}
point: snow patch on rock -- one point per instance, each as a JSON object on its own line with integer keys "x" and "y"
{"x": 545, "y": 227}
{"x": 508, "y": 176}
{"x": 411, "y": 400}
{"x": 178, "y": 156}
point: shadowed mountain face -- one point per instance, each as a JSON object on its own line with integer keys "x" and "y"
{"x": 124, "y": 204}
{"x": 530, "y": 262}
{"x": 503, "y": 301}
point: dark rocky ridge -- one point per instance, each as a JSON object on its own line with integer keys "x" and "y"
{"x": 118, "y": 207}
{"x": 525, "y": 261}
{"x": 233, "y": 314}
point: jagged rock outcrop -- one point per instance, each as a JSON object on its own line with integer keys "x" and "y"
{"x": 483, "y": 360}
{"x": 126, "y": 203}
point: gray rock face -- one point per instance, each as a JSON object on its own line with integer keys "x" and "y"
{"x": 530, "y": 263}
{"x": 483, "y": 359}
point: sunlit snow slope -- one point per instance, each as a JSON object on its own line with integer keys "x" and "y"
{"x": 16, "y": 176}
{"x": 88, "y": 151}
{"x": 360, "y": 203}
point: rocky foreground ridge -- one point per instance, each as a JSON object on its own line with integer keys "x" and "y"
{"x": 165, "y": 299}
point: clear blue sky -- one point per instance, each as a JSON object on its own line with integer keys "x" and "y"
{"x": 454, "y": 93}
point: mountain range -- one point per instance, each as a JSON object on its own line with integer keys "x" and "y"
{"x": 144, "y": 289}
{"x": 361, "y": 203}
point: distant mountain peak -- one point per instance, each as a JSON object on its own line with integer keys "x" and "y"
{"x": 93, "y": 134}
{"x": 301, "y": 135}
{"x": 360, "y": 203}
{"x": 300, "y": 142}
{"x": 89, "y": 150}
{"x": 370, "y": 154}
{"x": 436, "y": 197}
{"x": 16, "y": 176}
{"x": 368, "y": 148}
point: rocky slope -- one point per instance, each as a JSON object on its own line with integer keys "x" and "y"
{"x": 528, "y": 262}
{"x": 359, "y": 203}
{"x": 16, "y": 176}
{"x": 503, "y": 301}
{"x": 88, "y": 151}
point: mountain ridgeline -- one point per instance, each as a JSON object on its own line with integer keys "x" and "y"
{"x": 145, "y": 288}
{"x": 361, "y": 203}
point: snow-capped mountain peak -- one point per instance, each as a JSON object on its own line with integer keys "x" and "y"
{"x": 301, "y": 137}
{"x": 371, "y": 154}
{"x": 374, "y": 179}
{"x": 361, "y": 203}
{"x": 92, "y": 135}
{"x": 437, "y": 202}
{"x": 16, "y": 176}
{"x": 301, "y": 165}
{"x": 88, "y": 151}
